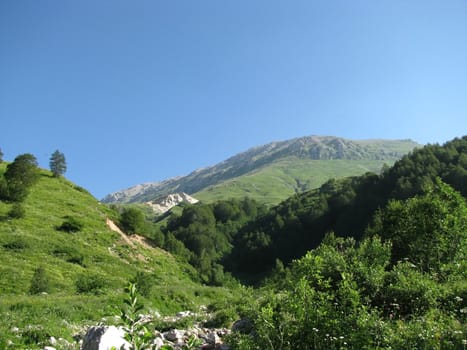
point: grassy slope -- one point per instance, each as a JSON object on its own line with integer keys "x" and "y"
{"x": 274, "y": 183}
{"x": 104, "y": 254}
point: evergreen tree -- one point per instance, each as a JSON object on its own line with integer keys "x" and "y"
{"x": 1, "y": 155}
{"x": 57, "y": 163}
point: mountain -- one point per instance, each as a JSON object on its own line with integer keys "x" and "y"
{"x": 273, "y": 172}
{"x": 345, "y": 207}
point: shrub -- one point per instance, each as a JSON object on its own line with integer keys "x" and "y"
{"x": 90, "y": 283}
{"x": 70, "y": 254}
{"x": 17, "y": 211}
{"x": 132, "y": 221}
{"x": 39, "y": 282}
{"x": 16, "y": 245}
{"x": 144, "y": 281}
{"x": 70, "y": 224}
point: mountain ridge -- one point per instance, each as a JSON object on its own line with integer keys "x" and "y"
{"x": 307, "y": 148}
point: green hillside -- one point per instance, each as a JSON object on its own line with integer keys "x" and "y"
{"x": 273, "y": 183}
{"x": 86, "y": 271}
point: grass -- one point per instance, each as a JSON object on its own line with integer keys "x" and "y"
{"x": 272, "y": 184}
{"x": 86, "y": 270}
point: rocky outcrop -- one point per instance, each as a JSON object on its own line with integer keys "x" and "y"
{"x": 166, "y": 203}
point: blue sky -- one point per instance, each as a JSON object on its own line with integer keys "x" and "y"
{"x": 139, "y": 91}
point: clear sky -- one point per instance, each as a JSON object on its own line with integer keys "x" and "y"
{"x": 141, "y": 90}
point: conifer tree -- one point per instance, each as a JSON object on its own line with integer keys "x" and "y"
{"x": 57, "y": 163}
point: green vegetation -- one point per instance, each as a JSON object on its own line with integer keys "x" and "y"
{"x": 57, "y": 163}
{"x": 344, "y": 206}
{"x": 18, "y": 178}
{"x": 273, "y": 183}
{"x": 377, "y": 261}
{"x": 132, "y": 220}
{"x": 349, "y": 295}
{"x": 62, "y": 267}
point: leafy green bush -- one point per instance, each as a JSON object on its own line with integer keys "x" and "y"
{"x": 39, "y": 282}
{"x": 70, "y": 224}
{"x": 132, "y": 220}
{"x": 144, "y": 281}
{"x": 222, "y": 318}
{"x": 16, "y": 244}
{"x": 70, "y": 254}
{"x": 90, "y": 283}
{"x": 17, "y": 211}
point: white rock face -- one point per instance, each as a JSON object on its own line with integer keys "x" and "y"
{"x": 162, "y": 205}
{"x": 104, "y": 338}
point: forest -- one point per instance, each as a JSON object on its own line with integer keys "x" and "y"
{"x": 248, "y": 240}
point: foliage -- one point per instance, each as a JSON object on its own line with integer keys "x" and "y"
{"x": 144, "y": 281}
{"x": 40, "y": 282}
{"x": 90, "y": 283}
{"x": 203, "y": 234}
{"x": 132, "y": 220}
{"x": 70, "y": 224}
{"x": 331, "y": 299}
{"x": 430, "y": 229}
{"x": 33, "y": 241}
{"x": 57, "y": 163}
{"x": 136, "y": 333}
{"x": 17, "y": 211}
{"x": 20, "y": 175}
{"x": 345, "y": 206}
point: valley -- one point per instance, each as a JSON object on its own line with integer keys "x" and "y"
{"x": 384, "y": 246}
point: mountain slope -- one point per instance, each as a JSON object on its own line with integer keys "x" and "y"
{"x": 344, "y": 206}
{"x": 274, "y": 171}
{"x": 86, "y": 270}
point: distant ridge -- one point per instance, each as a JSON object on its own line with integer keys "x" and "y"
{"x": 302, "y": 152}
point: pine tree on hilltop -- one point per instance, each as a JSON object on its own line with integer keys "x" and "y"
{"x": 57, "y": 163}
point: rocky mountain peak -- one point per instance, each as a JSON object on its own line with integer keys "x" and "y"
{"x": 164, "y": 204}
{"x": 312, "y": 147}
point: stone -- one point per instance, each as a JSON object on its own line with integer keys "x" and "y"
{"x": 158, "y": 343}
{"x": 103, "y": 338}
{"x": 173, "y": 335}
{"x": 183, "y": 314}
{"x": 52, "y": 341}
{"x": 212, "y": 338}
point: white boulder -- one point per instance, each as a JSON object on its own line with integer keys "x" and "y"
{"x": 104, "y": 338}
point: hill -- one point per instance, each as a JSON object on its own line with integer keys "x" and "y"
{"x": 68, "y": 239}
{"x": 344, "y": 206}
{"x": 273, "y": 172}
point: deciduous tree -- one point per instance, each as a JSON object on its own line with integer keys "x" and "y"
{"x": 20, "y": 175}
